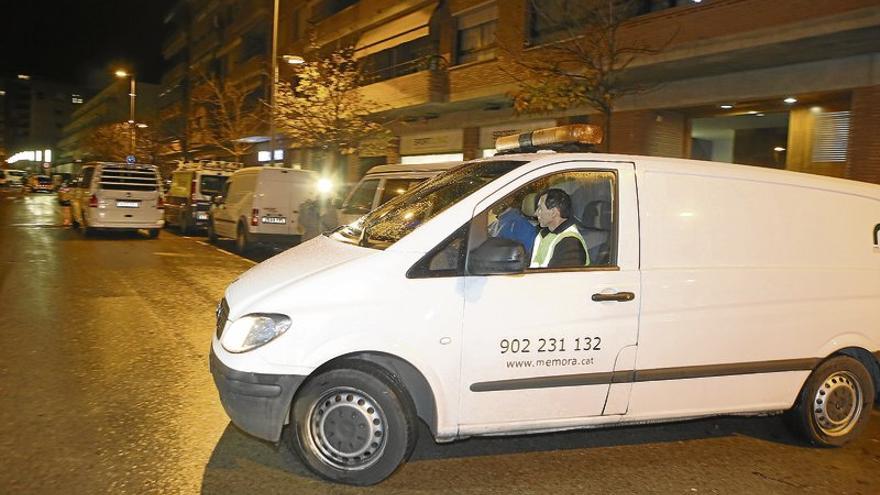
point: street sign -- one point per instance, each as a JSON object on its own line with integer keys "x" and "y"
{"x": 130, "y": 159}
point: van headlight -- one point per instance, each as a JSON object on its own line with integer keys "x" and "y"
{"x": 254, "y": 330}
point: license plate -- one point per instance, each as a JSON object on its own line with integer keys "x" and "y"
{"x": 276, "y": 220}
{"x": 201, "y": 215}
{"x": 128, "y": 204}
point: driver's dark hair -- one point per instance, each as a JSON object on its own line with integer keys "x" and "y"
{"x": 557, "y": 198}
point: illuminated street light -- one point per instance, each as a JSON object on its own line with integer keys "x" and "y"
{"x": 132, "y": 94}
{"x": 293, "y": 59}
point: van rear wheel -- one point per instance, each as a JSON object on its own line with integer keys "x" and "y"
{"x": 354, "y": 424}
{"x": 212, "y": 236}
{"x": 154, "y": 233}
{"x": 835, "y": 403}
{"x": 183, "y": 225}
{"x": 242, "y": 243}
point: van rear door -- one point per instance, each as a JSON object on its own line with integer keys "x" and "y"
{"x": 280, "y": 197}
{"x": 129, "y": 194}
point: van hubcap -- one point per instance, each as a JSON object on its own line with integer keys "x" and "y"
{"x": 347, "y": 429}
{"x": 837, "y": 405}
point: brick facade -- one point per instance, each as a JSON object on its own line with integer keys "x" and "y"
{"x": 863, "y": 162}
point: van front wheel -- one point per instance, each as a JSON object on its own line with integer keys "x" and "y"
{"x": 835, "y": 403}
{"x": 354, "y": 424}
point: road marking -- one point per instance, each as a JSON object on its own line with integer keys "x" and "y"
{"x": 176, "y": 255}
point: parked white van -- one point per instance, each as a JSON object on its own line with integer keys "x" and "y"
{"x": 383, "y": 183}
{"x": 261, "y": 205}
{"x": 721, "y": 289}
{"x": 117, "y": 196}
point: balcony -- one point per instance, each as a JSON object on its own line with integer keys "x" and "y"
{"x": 408, "y": 90}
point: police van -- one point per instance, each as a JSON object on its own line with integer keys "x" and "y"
{"x": 697, "y": 289}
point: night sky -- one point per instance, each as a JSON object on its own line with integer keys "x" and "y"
{"x": 82, "y": 41}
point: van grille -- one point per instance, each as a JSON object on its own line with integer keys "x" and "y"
{"x": 129, "y": 179}
{"x": 222, "y": 315}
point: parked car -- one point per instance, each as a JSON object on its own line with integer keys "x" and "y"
{"x": 384, "y": 182}
{"x": 117, "y": 196}
{"x": 714, "y": 294}
{"x": 261, "y": 206}
{"x": 15, "y": 178}
{"x": 40, "y": 183}
{"x": 193, "y": 185}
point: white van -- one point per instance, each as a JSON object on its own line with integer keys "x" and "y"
{"x": 117, "y": 196}
{"x": 383, "y": 183}
{"x": 261, "y": 205}
{"x": 720, "y": 289}
{"x": 15, "y": 178}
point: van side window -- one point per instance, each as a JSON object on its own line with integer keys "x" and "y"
{"x": 361, "y": 200}
{"x": 590, "y": 221}
{"x": 445, "y": 260}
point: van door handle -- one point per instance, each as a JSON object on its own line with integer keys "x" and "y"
{"x": 614, "y": 296}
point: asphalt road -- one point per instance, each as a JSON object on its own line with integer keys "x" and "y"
{"x": 105, "y": 388}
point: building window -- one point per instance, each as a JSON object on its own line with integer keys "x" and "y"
{"x": 476, "y": 35}
{"x": 400, "y": 60}
{"x": 831, "y": 137}
{"x": 327, "y": 8}
{"x": 253, "y": 44}
{"x": 554, "y": 20}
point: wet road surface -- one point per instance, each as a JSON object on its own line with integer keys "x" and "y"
{"x": 105, "y": 388}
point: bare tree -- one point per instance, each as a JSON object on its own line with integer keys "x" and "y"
{"x": 111, "y": 142}
{"x": 324, "y": 108}
{"x": 229, "y": 116}
{"x": 584, "y": 60}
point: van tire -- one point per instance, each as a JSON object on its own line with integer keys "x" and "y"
{"x": 154, "y": 233}
{"x": 368, "y": 399}
{"x": 835, "y": 403}
{"x": 183, "y": 226}
{"x": 242, "y": 243}
{"x": 212, "y": 236}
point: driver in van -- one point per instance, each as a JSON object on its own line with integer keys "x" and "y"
{"x": 558, "y": 244}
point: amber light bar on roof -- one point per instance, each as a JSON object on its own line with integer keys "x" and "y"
{"x": 553, "y": 136}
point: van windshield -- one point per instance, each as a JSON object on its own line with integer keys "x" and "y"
{"x": 398, "y": 217}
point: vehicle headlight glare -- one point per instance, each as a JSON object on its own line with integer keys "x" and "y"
{"x": 252, "y": 331}
{"x": 325, "y": 186}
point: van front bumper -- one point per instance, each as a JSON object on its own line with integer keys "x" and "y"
{"x": 255, "y": 402}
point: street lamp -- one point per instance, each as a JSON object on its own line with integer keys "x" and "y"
{"x": 132, "y": 94}
{"x": 290, "y": 59}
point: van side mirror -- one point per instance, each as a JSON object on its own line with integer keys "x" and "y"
{"x": 497, "y": 256}
{"x": 217, "y": 200}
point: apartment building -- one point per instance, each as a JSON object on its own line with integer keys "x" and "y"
{"x": 791, "y": 84}
{"x": 32, "y": 114}
{"x": 111, "y": 105}
{"x": 223, "y": 39}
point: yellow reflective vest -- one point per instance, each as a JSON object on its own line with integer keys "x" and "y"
{"x": 542, "y": 251}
